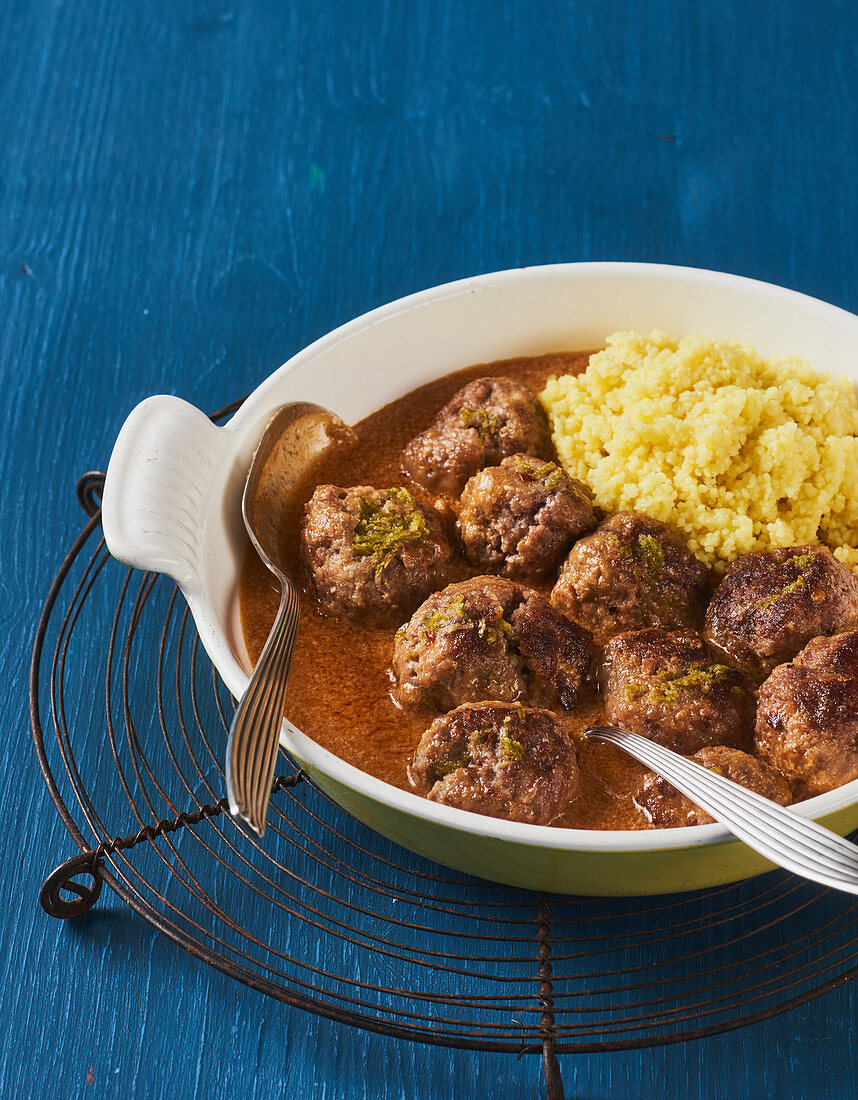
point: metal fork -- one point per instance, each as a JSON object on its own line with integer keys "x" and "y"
{"x": 776, "y": 832}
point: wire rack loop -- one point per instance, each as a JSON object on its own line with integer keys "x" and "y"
{"x": 91, "y": 861}
{"x": 64, "y": 878}
{"x": 90, "y": 487}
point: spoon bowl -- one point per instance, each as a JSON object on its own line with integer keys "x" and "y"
{"x": 297, "y": 434}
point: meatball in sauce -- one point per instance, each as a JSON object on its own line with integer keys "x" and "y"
{"x": 487, "y": 420}
{"x": 489, "y": 638}
{"x": 632, "y": 572}
{"x": 667, "y": 808}
{"x": 666, "y": 685}
{"x": 521, "y": 518}
{"x": 807, "y": 715}
{"x": 771, "y": 604}
{"x": 498, "y": 759}
{"x": 372, "y": 555}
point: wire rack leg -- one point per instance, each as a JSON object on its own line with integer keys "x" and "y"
{"x": 550, "y": 1065}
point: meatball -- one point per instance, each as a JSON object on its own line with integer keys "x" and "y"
{"x": 497, "y": 759}
{"x": 771, "y": 604}
{"x": 632, "y": 572}
{"x": 521, "y": 517}
{"x": 666, "y": 685}
{"x": 807, "y": 715}
{"x": 489, "y": 638}
{"x": 372, "y": 554}
{"x": 668, "y": 808}
{"x": 487, "y": 420}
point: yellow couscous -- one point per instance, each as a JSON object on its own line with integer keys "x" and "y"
{"x": 741, "y": 453}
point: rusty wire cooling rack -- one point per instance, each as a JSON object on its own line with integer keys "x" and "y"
{"x": 130, "y": 723}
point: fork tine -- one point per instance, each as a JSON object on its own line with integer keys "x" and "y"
{"x": 776, "y": 832}
{"x": 797, "y": 827}
{"x": 794, "y": 829}
{"x": 712, "y": 786}
{"x": 742, "y": 816}
{"x": 772, "y": 835}
{"x": 263, "y": 759}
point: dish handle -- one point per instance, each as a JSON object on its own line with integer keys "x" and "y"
{"x": 158, "y": 488}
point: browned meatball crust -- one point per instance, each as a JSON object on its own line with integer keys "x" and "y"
{"x": 771, "y": 604}
{"x": 668, "y": 808}
{"x": 500, "y": 760}
{"x": 487, "y": 420}
{"x": 807, "y": 715}
{"x": 632, "y": 572}
{"x": 521, "y": 517}
{"x": 372, "y": 554}
{"x": 666, "y": 685}
{"x": 489, "y": 638}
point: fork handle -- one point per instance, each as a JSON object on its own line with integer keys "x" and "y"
{"x": 254, "y": 734}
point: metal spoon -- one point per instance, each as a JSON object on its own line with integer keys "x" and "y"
{"x": 776, "y": 832}
{"x": 296, "y": 435}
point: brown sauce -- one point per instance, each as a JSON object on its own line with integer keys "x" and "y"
{"x": 339, "y": 685}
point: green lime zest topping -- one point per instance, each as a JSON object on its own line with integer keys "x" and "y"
{"x": 509, "y": 743}
{"x": 443, "y": 768}
{"x": 511, "y": 748}
{"x": 646, "y": 550}
{"x": 484, "y": 420}
{"x": 793, "y": 586}
{"x": 651, "y": 553}
{"x": 381, "y": 531}
{"x": 618, "y": 545}
{"x": 802, "y": 562}
{"x": 549, "y": 473}
{"x": 493, "y": 631}
{"x": 702, "y": 678}
{"x": 451, "y": 615}
{"x": 555, "y": 479}
{"x": 400, "y": 495}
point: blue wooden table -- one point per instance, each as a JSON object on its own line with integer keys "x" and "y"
{"x": 191, "y": 191}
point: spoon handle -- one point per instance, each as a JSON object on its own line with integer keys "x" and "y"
{"x": 254, "y": 735}
{"x": 776, "y": 832}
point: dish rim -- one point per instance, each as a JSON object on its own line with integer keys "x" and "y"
{"x": 302, "y": 746}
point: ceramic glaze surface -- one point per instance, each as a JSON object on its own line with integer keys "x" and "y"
{"x": 364, "y": 365}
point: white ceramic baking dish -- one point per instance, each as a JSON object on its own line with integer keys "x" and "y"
{"x": 172, "y": 504}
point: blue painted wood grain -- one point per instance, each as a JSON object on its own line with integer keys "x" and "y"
{"x": 190, "y": 191}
